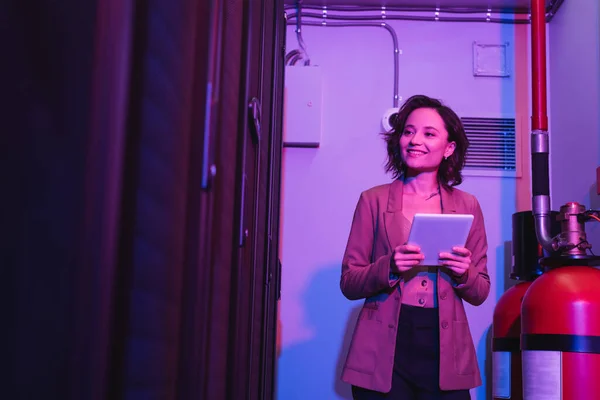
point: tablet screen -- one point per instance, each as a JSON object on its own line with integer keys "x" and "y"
{"x": 438, "y": 233}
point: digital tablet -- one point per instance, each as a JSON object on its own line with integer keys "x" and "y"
{"x": 439, "y": 233}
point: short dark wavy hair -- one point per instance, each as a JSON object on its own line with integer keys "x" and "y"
{"x": 450, "y": 171}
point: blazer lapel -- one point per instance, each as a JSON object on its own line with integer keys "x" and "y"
{"x": 448, "y": 204}
{"x": 393, "y": 218}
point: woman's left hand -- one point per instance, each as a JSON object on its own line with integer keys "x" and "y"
{"x": 458, "y": 261}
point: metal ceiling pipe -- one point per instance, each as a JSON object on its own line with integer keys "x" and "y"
{"x": 540, "y": 178}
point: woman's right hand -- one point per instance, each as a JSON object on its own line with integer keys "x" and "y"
{"x": 406, "y": 257}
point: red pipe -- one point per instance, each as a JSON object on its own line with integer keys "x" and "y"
{"x": 539, "y": 119}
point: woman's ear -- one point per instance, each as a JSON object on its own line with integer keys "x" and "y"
{"x": 450, "y": 149}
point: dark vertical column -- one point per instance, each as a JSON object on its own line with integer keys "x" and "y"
{"x": 45, "y": 75}
{"x": 254, "y": 278}
{"x": 149, "y": 284}
{"x": 98, "y": 241}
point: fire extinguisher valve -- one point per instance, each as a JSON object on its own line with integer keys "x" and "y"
{"x": 571, "y": 245}
{"x": 572, "y": 239}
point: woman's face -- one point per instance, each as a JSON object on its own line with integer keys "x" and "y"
{"x": 424, "y": 141}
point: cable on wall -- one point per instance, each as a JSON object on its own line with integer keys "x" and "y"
{"x": 388, "y": 13}
{"x": 388, "y": 28}
{"x": 296, "y": 55}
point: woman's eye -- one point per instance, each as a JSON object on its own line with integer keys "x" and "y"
{"x": 429, "y": 134}
{"x": 407, "y": 133}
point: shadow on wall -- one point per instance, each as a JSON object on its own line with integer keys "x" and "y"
{"x": 343, "y": 389}
{"x": 484, "y": 347}
{"x": 504, "y": 252}
{"x": 312, "y": 369}
{"x": 484, "y": 351}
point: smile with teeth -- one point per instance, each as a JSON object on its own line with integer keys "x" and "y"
{"x": 415, "y": 152}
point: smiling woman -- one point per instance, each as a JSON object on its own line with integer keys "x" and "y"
{"x": 425, "y": 125}
{"x": 394, "y": 354}
{"x": 424, "y": 142}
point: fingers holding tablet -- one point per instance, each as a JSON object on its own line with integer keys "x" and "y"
{"x": 407, "y": 256}
{"x": 458, "y": 261}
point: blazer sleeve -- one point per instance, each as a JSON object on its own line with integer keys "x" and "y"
{"x": 477, "y": 286}
{"x": 361, "y": 277}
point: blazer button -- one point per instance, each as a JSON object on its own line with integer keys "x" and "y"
{"x": 443, "y": 296}
{"x": 423, "y": 282}
{"x": 421, "y": 301}
{"x": 391, "y": 326}
{"x": 444, "y": 324}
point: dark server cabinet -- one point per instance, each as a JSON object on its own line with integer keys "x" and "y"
{"x": 255, "y": 275}
{"x": 141, "y": 206}
{"x": 198, "y": 273}
{"x": 234, "y": 309}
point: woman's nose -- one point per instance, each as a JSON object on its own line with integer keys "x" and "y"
{"x": 416, "y": 139}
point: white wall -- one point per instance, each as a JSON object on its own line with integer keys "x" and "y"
{"x": 574, "y": 64}
{"x": 321, "y": 186}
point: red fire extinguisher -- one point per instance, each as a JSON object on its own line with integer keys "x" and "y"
{"x": 506, "y": 326}
{"x": 506, "y": 352}
{"x": 560, "y": 327}
{"x": 560, "y": 337}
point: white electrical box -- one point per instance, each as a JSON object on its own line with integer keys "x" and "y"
{"x": 303, "y": 106}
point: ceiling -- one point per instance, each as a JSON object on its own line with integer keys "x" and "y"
{"x": 520, "y": 6}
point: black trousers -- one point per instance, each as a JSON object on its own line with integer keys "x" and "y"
{"x": 416, "y": 373}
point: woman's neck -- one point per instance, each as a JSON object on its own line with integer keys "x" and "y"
{"x": 423, "y": 184}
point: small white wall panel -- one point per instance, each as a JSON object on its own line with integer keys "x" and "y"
{"x": 303, "y": 106}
